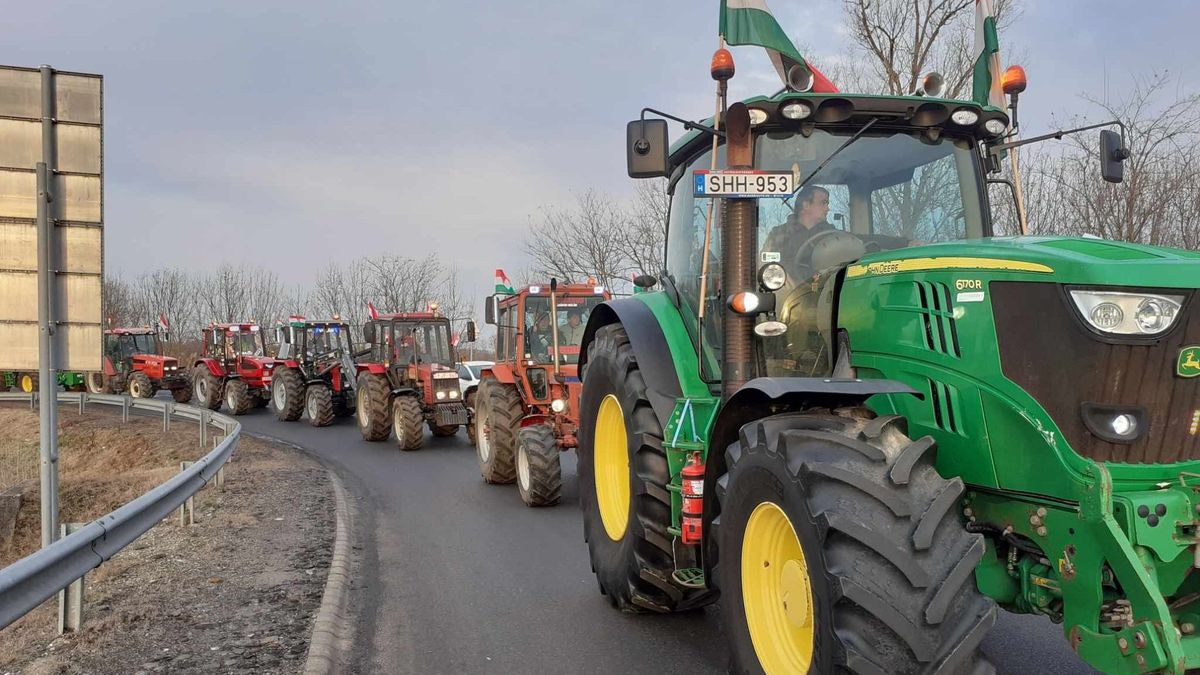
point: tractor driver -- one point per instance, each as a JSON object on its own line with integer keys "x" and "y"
{"x": 572, "y": 333}
{"x": 540, "y": 338}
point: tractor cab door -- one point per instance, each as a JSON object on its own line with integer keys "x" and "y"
{"x": 112, "y": 354}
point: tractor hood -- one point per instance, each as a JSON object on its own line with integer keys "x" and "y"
{"x": 154, "y": 359}
{"x": 1067, "y": 260}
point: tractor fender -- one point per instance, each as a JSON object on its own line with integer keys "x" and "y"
{"x": 502, "y": 372}
{"x": 289, "y": 363}
{"x": 374, "y": 368}
{"x": 405, "y": 391}
{"x": 654, "y": 357}
{"x": 765, "y": 396}
{"x": 107, "y": 367}
{"x": 533, "y": 420}
{"x": 212, "y": 366}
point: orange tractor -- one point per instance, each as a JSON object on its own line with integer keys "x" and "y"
{"x": 134, "y": 362}
{"x": 527, "y": 404}
{"x": 408, "y": 379}
{"x": 234, "y": 367}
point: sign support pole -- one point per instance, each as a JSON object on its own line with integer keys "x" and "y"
{"x": 47, "y": 382}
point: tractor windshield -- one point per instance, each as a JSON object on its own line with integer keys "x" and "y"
{"x": 884, "y": 191}
{"x": 424, "y": 343}
{"x": 138, "y": 344}
{"x": 244, "y": 344}
{"x": 326, "y": 339}
{"x": 573, "y": 312}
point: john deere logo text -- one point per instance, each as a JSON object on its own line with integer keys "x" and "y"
{"x": 1189, "y": 362}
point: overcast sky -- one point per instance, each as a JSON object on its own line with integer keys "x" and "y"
{"x": 293, "y": 133}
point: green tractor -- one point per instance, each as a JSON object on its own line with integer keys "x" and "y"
{"x": 865, "y": 432}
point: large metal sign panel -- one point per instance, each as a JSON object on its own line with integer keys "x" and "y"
{"x": 76, "y": 212}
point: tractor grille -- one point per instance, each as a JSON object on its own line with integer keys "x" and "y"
{"x": 937, "y": 317}
{"x": 1046, "y": 349}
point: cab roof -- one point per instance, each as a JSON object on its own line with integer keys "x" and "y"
{"x": 144, "y": 330}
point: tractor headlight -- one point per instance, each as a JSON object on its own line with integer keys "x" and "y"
{"x": 995, "y": 127}
{"x": 772, "y": 276}
{"x": 453, "y": 393}
{"x": 558, "y": 405}
{"x": 441, "y": 395}
{"x": 1137, "y": 314}
{"x": 964, "y": 117}
{"x": 796, "y": 110}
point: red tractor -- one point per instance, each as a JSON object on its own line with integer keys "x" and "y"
{"x": 527, "y": 407}
{"x": 234, "y": 366}
{"x": 134, "y": 362}
{"x": 408, "y": 378}
{"x": 314, "y": 372}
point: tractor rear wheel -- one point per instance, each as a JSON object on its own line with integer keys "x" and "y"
{"x": 140, "y": 385}
{"x": 287, "y": 394}
{"x": 407, "y": 417}
{"x": 623, "y": 477}
{"x": 27, "y": 382}
{"x": 319, "y": 405}
{"x": 209, "y": 388}
{"x": 374, "y": 407}
{"x": 471, "y": 426}
{"x": 443, "y": 432}
{"x": 841, "y": 549}
{"x": 539, "y": 470}
{"x": 237, "y": 397}
{"x": 496, "y": 423}
{"x": 182, "y": 394}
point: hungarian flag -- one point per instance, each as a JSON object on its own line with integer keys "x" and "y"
{"x": 750, "y": 22}
{"x": 985, "y": 79}
{"x": 163, "y": 326}
{"x": 503, "y": 285}
{"x": 371, "y": 311}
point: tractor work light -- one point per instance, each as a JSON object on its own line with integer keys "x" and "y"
{"x": 558, "y": 405}
{"x": 995, "y": 126}
{"x": 598, "y": 290}
{"x": 1115, "y": 424}
{"x": 772, "y": 276}
{"x": 535, "y": 289}
{"x": 235, "y": 329}
{"x": 964, "y": 117}
{"x": 1132, "y": 314}
{"x": 757, "y": 116}
{"x": 796, "y": 110}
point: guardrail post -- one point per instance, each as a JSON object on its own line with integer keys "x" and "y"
{"x": 220, "y": 471}
{"x": 124, "y": 409}
{"x": 205, "y": 415}
{"x": 187, "y": 510}
{"x": 70, "y": 599}
{"x": 82, "y": 401}
{"x": 33, "y": 400}
{"x": 167, "y": 417}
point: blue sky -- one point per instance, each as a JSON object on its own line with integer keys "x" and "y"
{"x": 294, "y": 133}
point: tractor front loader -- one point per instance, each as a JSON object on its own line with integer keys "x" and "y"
{"x": 527, "y": 405}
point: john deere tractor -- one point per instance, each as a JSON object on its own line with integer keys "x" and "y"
{"x": 315, "y": 371}
{"x": 866, "y": 423}
{"x": 407, "y": 379}
{"x": 133, "y": 361}
{"x": 527, "y": 407}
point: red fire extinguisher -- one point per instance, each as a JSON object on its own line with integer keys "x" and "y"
{"x": 693, "y": 500}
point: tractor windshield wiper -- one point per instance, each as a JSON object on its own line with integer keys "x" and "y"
{"x": 849, "y": 141}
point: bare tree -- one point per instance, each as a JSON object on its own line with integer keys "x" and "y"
{"x": 586, "y": 240}
{"x": 224, "y": 296}
{"x": 119, "y": 302}
{"x": 644, "y": 238}
{"x": 172, "y": 293}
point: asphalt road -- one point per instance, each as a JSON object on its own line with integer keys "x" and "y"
{"x": 462, "y": 577}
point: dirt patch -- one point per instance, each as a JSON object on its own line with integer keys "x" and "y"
{"x": 236, "y": 592}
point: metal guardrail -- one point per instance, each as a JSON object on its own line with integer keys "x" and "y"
{"x": 35, "y": 578}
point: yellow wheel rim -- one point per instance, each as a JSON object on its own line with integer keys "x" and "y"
{"x": 776, "y": 592}
{"x": 612, "y": 468}
{"x": 27, "y": 383}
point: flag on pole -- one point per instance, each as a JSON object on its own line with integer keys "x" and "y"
{"x": 750, "y": 22}
{"x": 985, "y": 78}
{"x": 163, "y": 325}
{"x": 503, "y": 285}
{"x": 371, "y": 311}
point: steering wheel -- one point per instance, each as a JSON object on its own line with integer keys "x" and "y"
{"x": 826, "y": 249}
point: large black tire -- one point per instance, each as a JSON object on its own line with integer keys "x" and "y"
{"x": 442, "y": 432}
{"x": 27, "y": 382}
{"x": 374, "y": 407}
{"x": 238, "y": 397}
{"x": 497, "y": 419}
{"x": 407, "y": 420}
{"x": 319, "y": 405}
{"x": 182, "y": 394}
{"x": 634, "y": 570}
{"x": 209, "y": 388}
{"x": 471, "y": 426}
{"x": 287, "y": 394}
{"x": 890, "y": 567}
{"x": 140, "y": 385}
{"x": 539, "y": 469}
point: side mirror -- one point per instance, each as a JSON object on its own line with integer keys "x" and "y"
{"x": 1113, "y": 154}
{"x": 646, "y": 148}
{"x": 369, "y": 332}
{"x": 470, "y": 330}
{"x": 490, "y": 310}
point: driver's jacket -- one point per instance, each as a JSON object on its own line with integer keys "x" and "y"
{"x": 787, "y": 238}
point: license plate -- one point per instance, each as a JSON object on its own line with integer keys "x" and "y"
{"x": 745, "y": 184}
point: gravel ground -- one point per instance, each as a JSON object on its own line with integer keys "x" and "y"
{"x": 235, "y": 592}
